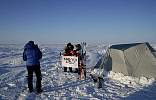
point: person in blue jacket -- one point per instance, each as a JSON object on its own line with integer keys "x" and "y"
{"x": 32, "y": 56}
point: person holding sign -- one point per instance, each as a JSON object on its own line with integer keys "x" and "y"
{"x": 69, "y": 52}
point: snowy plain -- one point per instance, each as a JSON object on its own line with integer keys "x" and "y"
{"x": 59, "y": 85}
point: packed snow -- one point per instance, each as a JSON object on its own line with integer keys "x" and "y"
{"x": 65, "y": 85}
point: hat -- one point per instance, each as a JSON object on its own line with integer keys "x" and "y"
{"x": 31, "y": 42}
{"x": 69, "y": 44}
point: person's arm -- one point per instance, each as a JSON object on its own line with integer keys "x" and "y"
{"x": 24, "y": 56}
{"x": 39, "y": 54}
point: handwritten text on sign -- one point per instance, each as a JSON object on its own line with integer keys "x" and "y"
{"x": 70, "y": 61}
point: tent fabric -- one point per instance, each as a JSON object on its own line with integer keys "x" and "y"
{"x": 135, "y": 60}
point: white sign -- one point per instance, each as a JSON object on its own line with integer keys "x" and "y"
{"x": 70, "y": 61}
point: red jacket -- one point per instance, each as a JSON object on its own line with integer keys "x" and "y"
{"x": 70, "y": 53}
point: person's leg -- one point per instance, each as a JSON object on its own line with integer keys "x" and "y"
{"x": 79, "y": 71}
{"x": 65, "y": 69}
{"x": 70, "y": 69}
{"x": 76, "y": 70}
{"x": 30, "y": 79}
{"x": 39, "y": 78}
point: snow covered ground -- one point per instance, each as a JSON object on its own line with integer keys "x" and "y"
{"x": 62, "y": 85}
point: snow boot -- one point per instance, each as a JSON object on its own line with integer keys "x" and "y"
{"x": 31, "y": 90}
{"x": 39, "y": 91}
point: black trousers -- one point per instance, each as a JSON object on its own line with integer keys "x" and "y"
{"x": 65, "y": 69}
{"x": 31, "y": 70}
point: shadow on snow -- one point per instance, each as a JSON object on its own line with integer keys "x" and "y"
{"x": 147, "y": 93}
{"x": 67, "y": 85}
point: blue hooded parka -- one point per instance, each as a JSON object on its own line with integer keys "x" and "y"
{"x": 32, "y": 54}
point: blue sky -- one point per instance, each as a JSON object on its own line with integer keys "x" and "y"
{"x": 50, "y": 21}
